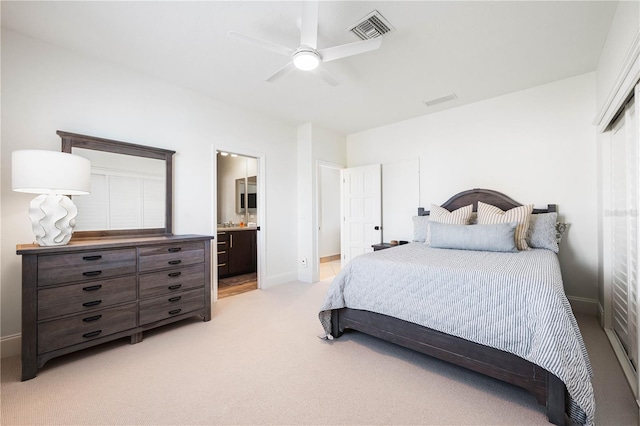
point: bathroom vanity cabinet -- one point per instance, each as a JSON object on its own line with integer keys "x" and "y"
{"x": 237, "y": 252}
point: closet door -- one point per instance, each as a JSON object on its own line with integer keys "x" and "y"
{"x": 624, "y": 231}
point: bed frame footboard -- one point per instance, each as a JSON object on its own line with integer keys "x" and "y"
{"x": 548, "y": 390}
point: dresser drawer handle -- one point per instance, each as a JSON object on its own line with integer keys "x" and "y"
{"x": 92, "y": 287}
{"x": 221, "y": 252}
{"x": 92, "y": 319}
{"x": 175, "y": 287}
{"x": 222, "y": 242}
{"x": 174, "y": 249}
{"x": 175, "y": 274}
{"x": 175, "y": 262}
{"x": 221, "y": 264}
{"x": 175, "y": 311}
{"x": 175, "y": 299}
{"x": 92, "y": 303}
{"x": 96, "y": 257}
{"x": 92, "y": 334}
{"x": 92, "y": 273}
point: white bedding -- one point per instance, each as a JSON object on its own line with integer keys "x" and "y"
{"x": 514, "y": 302}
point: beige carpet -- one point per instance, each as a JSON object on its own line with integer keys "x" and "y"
{"x": 258, "y": 361}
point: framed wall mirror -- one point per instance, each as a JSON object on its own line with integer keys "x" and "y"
{"x": 131, "y": 188}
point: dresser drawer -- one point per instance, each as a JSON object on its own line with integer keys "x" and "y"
{"x": 159, "y": 308}
{"x": 85, "y": 266}
{"x": 171, "y": 281}
{"x": 170, "y": 256}
{"x": 58, "y": 334}
{"x": 75, "y": 298}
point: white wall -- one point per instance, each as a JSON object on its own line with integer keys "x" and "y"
{"x": 624, "y": 29}
{"x": 45, "y": 88}
{"x": 315, "y": 145}
{"x": 329, "y": 211}
{"x": 536, "y": 145}
{"x": 397, "y": 205}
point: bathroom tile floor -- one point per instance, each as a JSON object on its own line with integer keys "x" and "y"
{"x": 329, "y": 269}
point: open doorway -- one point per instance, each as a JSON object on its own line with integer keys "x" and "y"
{"x": 329, "y": 220}
{"x": 237, "y": 224}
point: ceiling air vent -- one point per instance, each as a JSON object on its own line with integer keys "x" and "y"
{"x": 437, "y": 101}
{"x": 371, "y": 26}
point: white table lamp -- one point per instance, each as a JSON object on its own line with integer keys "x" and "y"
{"x": 54, "y": 175}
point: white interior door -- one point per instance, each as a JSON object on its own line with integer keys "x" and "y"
{"x": 362, "y": 210}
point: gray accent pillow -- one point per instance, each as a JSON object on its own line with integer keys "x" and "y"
{"x": 545, "y": 231}
{"x": 493, "y": 237}
{"x": 420, "y": 228}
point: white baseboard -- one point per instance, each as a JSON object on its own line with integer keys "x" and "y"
{"x": 274, "y": 280}
{"x": 10, "y": 345}
{"x": 583, "y": 305}
{"x": 600, "y": 315}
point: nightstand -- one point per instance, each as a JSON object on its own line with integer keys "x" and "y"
{"x": 382, "y": 246}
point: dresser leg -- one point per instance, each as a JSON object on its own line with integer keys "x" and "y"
{"x": 136, "y": 338}
{"x": 28, "y": 370}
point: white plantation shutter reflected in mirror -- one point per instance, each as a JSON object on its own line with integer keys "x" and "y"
{"x": 93, "y": 209}
{"x": 153, "y": 203}
{"x": 125, "y": 207}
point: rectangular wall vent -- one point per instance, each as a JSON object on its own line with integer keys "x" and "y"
{"x": 371, "y": 26}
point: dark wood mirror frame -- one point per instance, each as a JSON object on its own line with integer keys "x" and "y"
{"x": 73, "y": 140}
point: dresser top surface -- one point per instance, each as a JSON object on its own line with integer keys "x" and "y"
{"x": 105, "y": 243}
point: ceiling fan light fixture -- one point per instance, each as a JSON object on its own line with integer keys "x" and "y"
{"x": 306, "y": 60}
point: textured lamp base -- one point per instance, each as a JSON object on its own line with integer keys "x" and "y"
{"x": 53, "y": 219}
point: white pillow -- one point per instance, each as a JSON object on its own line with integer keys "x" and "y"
{"x": 420, "y": 228}
{"x": 488, "y": 214}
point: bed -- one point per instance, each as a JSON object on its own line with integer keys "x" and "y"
{"x": 502, "y": 314}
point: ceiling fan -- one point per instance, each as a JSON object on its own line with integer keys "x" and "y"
{"x": 307, "y": 57}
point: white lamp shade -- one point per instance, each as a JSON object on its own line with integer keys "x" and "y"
{"x": 50, "y": 172}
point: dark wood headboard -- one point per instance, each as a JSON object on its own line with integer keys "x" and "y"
{"x": 488, "y": 196}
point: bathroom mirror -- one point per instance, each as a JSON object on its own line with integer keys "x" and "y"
{"x": 246, "y": 195}
{"x": 131, "y": 192}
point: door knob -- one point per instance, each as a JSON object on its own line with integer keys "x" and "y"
{"x": 377, "y": 228}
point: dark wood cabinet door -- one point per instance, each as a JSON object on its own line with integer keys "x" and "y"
{"x": 242, "y": 252}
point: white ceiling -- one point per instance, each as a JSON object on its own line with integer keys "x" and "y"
{"x": 477, "y": 50}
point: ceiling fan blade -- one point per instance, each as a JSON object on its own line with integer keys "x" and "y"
{"x": 262, "y": 43}
{"x": 309, "y": 24}
{"x": 324, "y": 73}
{"x": 282, "y": 71}
{"x": 342, "y": 51}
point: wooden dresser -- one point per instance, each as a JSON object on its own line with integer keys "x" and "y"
{"x": 93, "y": 291}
